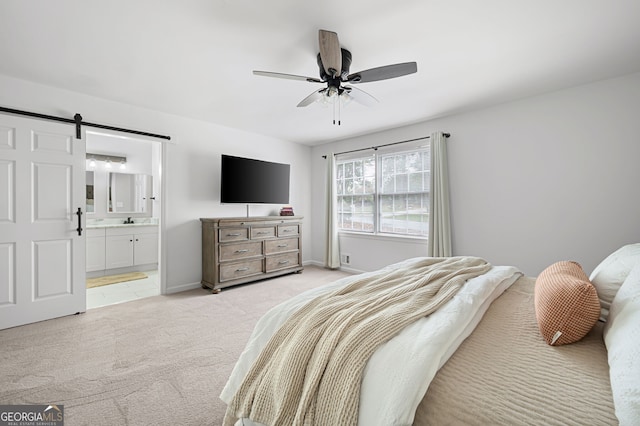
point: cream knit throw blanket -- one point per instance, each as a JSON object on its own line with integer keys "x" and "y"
{"x": 310, "y": 371}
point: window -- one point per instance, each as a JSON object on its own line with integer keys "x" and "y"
{"x": 385, "y": 193}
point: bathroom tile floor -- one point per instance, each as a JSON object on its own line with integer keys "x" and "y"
{"x": 124, "y": 292}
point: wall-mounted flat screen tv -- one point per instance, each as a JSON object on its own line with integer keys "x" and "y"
{"x": 249, "y": 181}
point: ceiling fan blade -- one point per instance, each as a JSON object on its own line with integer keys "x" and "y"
{"x": 383, "y": 73}
{"x": 361, "y": 96}
{"x": 315, "y": 96}
{"x": 288, "y": 76}
{"x": 330, "y": 52}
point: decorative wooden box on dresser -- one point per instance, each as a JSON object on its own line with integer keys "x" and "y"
{"x": 237, "y": 250}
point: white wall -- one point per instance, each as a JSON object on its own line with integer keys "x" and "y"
{"x": 543, "y": 179}
{"x": 192, "y": 166}
{"x": 548, "y": 178}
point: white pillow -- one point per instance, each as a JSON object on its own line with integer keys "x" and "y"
{"x": 622, "y": 338}
{"x": 611, "y": 273}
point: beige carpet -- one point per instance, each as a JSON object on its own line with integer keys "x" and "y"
{"x": 156, "y": 361}
{"x": 114, "y": 279}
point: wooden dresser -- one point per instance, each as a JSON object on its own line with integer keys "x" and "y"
{"x": 237, "y": 250}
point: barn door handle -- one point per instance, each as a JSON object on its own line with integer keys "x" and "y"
{"x": 79, "y": 213}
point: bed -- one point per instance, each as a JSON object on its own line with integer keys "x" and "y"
{"x": 504, "y": 373}
{"x": 478, "y": 359}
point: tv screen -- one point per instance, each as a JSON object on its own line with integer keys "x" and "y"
{"x": 249, "y": 181}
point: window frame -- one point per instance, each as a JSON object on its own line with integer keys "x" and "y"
{"x": 377, "y": 197}
{"x": 353, "y": 159}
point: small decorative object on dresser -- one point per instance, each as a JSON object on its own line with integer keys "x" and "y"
{"x": 237, "y": 250}
{"x": 286, "y": 211}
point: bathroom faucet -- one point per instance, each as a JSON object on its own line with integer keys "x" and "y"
{"x": 128, "y": 220}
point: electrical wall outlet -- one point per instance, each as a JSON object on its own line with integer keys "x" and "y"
{"x": 345, "y": 259}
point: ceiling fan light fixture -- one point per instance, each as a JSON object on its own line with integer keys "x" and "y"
{"x": 345, "y": 99}
{"x": 332, "y": 95}
{"x": 325, "y": 100}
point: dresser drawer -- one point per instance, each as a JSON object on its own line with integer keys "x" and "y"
{"x": 233, "y": 234}
{"x": 263, "y": 232}
{"x": 288, "y": 230}
{"x": 240, "y": 250}
{"x": 231, "y": 271}
{"x": 280, "y": 245}
{"x": 281, "y": 261}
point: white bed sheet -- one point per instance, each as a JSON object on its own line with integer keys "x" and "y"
{"x": 399, "y": 372}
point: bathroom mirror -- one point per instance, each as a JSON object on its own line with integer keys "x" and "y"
{"x": 129, "y": 193}
{"x": 89, "y": 196}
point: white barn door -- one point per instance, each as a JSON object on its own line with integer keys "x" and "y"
{"x": 42, "y": 185}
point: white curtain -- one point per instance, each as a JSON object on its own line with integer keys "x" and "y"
{"x": 332, "y": 252}
{"x": 439, "y": 240}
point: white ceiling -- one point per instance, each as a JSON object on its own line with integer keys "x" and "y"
{"x": 195, "y": 57}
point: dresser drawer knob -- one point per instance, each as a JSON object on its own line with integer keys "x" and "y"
{"x": 283, "y": 262}
{"x": 242, "y": 269}
{"x": 241, "y": 251}
{"x": 262, "y": 232}
{"x": 233, "y": 235}
{"x": 282, "y": 245}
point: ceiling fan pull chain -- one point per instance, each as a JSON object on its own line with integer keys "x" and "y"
{"x": 334, "y": 113}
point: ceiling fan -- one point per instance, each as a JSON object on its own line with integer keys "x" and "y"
{"x": 334, "y": 63}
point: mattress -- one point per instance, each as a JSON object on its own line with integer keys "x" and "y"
{"x": 504, "y": 373}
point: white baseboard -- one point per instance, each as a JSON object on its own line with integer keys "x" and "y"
{"x": 351, "y": 270}
{"x": 342, "y": 268}
{"x": 183, "y": 287}
{"x": 191, "y": 286}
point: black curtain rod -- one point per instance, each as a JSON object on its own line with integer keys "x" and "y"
{"x": 446, "y": 135}
{"x": 77, "y": 120}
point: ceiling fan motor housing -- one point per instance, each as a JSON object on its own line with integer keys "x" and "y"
{"x": 344, "y": 72}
